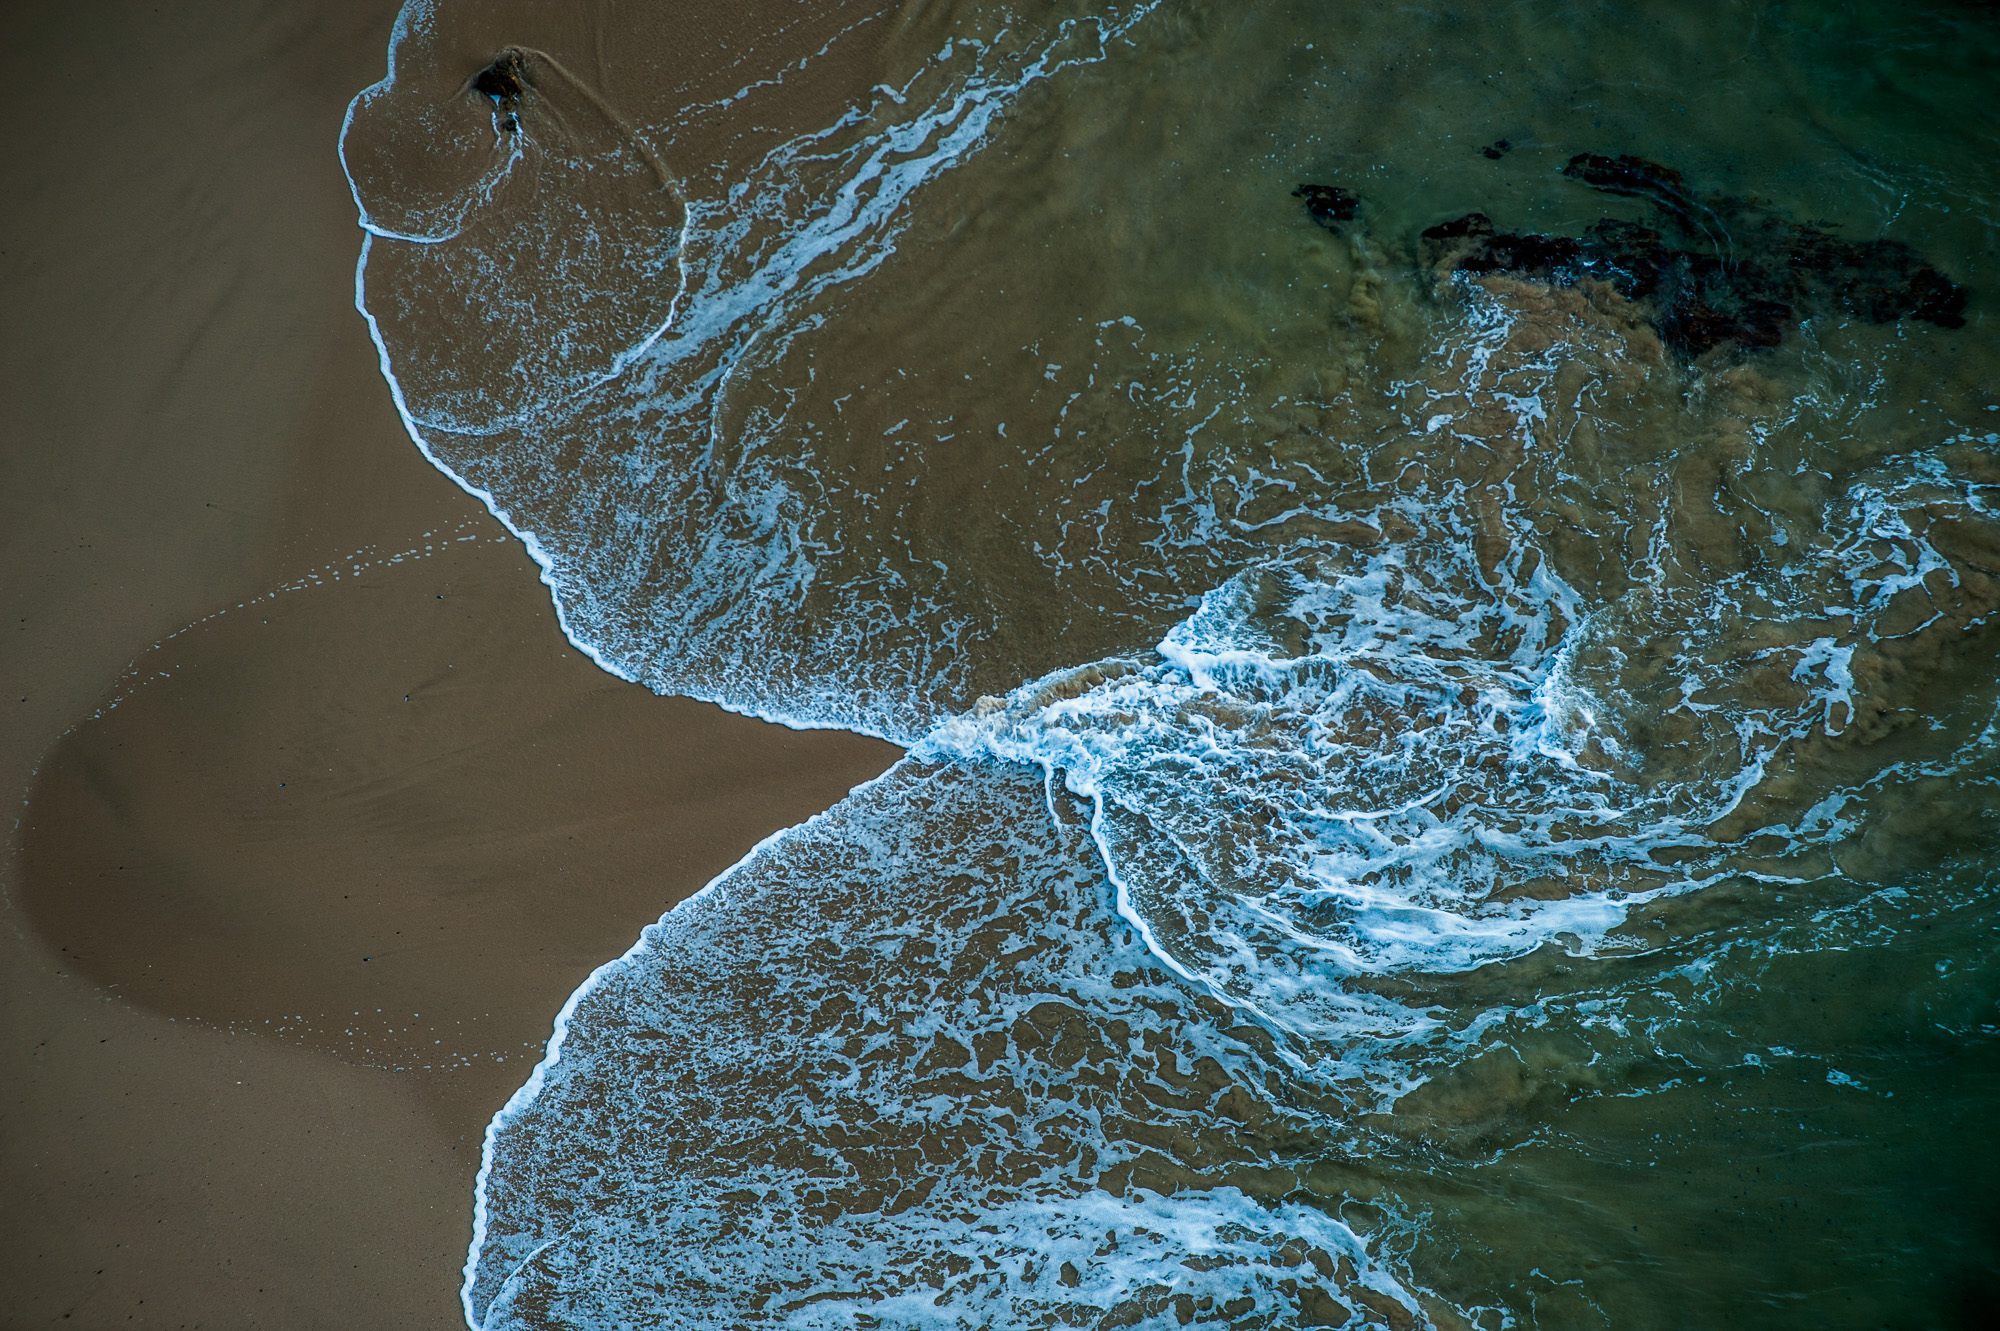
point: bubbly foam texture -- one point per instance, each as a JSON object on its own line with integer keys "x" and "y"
{"x": 1469, "y": 680}
{"x": 960, "y": 1095}
{"x": 1404, "y": 762}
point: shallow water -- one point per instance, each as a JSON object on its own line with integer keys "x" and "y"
{"x": 1428, "y": 800}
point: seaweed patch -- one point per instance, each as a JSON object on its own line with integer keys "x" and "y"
{"x": 1712, "y": 271}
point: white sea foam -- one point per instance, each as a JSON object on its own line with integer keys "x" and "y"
{"x": 1372, "y": 799}
{"x": 912, "y": 1109}
{"x": 949, "y": 1055}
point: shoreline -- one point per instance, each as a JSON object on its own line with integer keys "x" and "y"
{"x": 200, "y": 1126}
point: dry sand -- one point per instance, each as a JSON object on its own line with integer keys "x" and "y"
{"x": 286, "y": 925}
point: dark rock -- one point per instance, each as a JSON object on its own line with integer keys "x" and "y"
{"x": 504, "y": 80}
{"x": 1635, "y": 177}
{"x": 1711, "y": 272}
{"x": 1876, "y": 280}
{"x": 1695, "y": 326}
{"x": 1497, "y": 149}
{"x": 1329, "y": 205}
{"x": 1624, "y": 175}
{"x": 1474, "y": 244}
{"x": 1472, "y": 226}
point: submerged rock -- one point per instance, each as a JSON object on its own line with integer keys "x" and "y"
{"x": 1329, "y": 205}
{"x": 1634, "y": 176}
{"x": 1710, "y": 271}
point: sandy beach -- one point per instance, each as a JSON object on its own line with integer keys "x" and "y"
{"x": 288, "y": 922}
{"x": 1442, "y": 567}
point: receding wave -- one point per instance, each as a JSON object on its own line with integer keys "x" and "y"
{"x": 1425, "y": 635}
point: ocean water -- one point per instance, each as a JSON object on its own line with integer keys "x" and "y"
{"x": 1438, "y": 569}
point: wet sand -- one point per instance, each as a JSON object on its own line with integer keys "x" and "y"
{"x": 286, "y": 925}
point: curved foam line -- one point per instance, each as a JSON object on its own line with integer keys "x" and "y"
{"x": 552, "y": 1051}
{"x": 397, "y": 32}
{"x": 527, "y": 538}
{"x": 619, "y": 363}
{"x": 531, "y": 1088}
{"x": 966, "y": 140}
